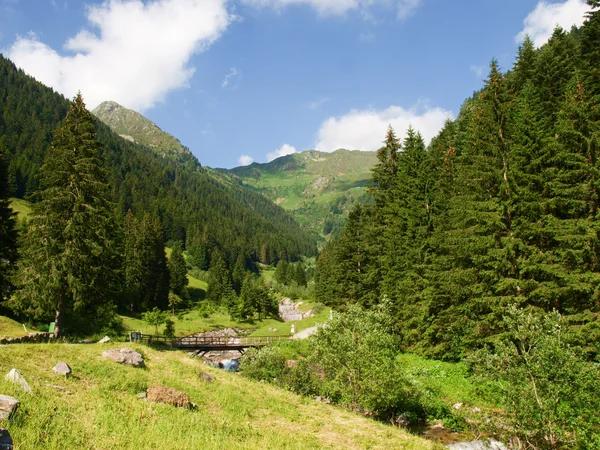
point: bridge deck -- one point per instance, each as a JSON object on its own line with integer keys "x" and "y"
{"x": 212, "y": 342}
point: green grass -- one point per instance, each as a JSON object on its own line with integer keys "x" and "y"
{"x": 21, "y": 207}
{"x": 98, "y": 409}
{"x": 10, "y": 328}
{"x": 450, "y": 381}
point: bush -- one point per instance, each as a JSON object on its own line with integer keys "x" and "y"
{"x": 549, "y": 391}
{"x": 169, "y": 328}
{"x": 356, "y": 351}
{"x": 266, "y": 363}
{"x": 302, "y": 379}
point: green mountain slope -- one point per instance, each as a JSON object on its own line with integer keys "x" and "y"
{"x": 134, "y": 127}
{"x": 317, "y": 188}
{"x": 186, "y": 197}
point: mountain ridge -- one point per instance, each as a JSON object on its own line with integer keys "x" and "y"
{"x": 137, "y": 128}
{"x": 317, "y": 188}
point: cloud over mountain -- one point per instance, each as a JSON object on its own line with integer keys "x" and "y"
{"x": 365, "y": 129}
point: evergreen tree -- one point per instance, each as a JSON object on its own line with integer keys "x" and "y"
{"x": 248, "y": 299}
{"x": 178, "y": 271}
{"x": 300, "y": 275}
{"x": 8, "y": 233}
{"x": 146, "y": 274}
{"x": 219, "y": 279}
{"x": 282, "y": 274}
{"x": 69, "y": 259}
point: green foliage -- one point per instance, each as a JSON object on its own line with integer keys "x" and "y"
{"x": 156, "y": 318}
{"x": 145, "y": 265}
{"x": 356, "y": 352}
{"x": 69, "y": 255}
{"x": 178, "y": 271}
{"x": 8, "y": 233}
{"x": 548, "y": 389}
{"x": 264, "y": 364}
{"x": 169, "y": 328}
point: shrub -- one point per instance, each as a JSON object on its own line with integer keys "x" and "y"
{"x": 169, "y": 328}
{"x": 266, "y": 363}
{"x": 549, "y": 391}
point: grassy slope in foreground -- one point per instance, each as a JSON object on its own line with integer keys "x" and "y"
{"x": 98, "y": 408}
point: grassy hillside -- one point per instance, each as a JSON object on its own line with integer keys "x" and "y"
{"x": 132, "y": 126}
{"x": 10, "y": 328}
{"x": 317, "y": 188}
{"x": 98, "y": 409}
{"x": 21, "y": 207}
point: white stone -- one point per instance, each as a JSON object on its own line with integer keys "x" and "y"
{"x": 16, "y": 378}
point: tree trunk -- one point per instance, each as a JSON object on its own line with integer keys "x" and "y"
{"x": 60, "y": 316}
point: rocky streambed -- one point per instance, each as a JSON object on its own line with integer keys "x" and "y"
{"x": 222, "y": 359}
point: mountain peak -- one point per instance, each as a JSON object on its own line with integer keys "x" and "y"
{"x": 133, "y": 126}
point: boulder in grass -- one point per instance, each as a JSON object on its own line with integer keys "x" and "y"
{"x": 125, "y": 356}
{"x": 6, "y": 442}
{"x": 104, "y": 340}
{"x": 160, "y": 394}
{"x": 16, "y": 378}
{"x": 207, "y": 377}
{"x": 62, "y": 368}
{"x": 8, "y": 405}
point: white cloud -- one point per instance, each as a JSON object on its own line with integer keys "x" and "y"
{"x": 232, "y": 73}
{"x": 540, "y": 23}
{"x": 365, "y": 129}
{"x": 284, "y": 150}
{"x": 133, "y": 52}
{"x": 245, "y": 160}
{"x": 405, "y": 8}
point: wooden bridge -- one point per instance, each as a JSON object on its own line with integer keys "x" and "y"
{"x": 209, "y": 342}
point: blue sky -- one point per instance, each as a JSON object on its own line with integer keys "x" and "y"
{"x": 248, "y": 80}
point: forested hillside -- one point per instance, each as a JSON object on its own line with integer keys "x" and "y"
{"x": 188, "y": 200}
{"x": 500, "y": 209}
{"x": 317, "y": 188}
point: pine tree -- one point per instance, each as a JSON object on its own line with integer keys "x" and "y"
{"x": 178, "y": 271}
{"x": 69, "y": 259}
{"x": 282, "y": 274}
{"x": 219, "y": 279}
{"x": 8, "y": 233}
{"x": 146, "y": 274}
{"x": 300, "y": 275}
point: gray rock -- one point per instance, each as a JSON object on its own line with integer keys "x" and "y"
{"x": 207, "y": 377}
{"x": 6, "y": 442}
{"x": 8, "y": 405}
{"x": 142, "y": 395}
{"x": 125, "y": 356}
{"x": 478, "y": 445}
{"x": 104, "y": 340}
{"x": 16, "y": 378}
{"x": 62, "y": 368}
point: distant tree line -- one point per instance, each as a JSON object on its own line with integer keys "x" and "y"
{"x": 501, "y": 208}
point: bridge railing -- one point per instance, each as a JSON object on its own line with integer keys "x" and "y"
{"x": 209, "y": 341}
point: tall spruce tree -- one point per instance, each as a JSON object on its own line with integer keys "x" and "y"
{"x": 8, "y": 233}
{"x": 68, "y": 258}
{"x": 178, "y": 271}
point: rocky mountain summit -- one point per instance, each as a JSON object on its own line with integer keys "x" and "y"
{"x": 134, "y": 127}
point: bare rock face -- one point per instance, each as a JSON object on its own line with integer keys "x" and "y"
{"x": 8, "y": 405}
{"x": 160, "y": 394}
{"x": 16, "y": 378}
{"x": 125, "y": 356}
{"x": 6, "y": 442}
{"x": 62, "y": 368}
